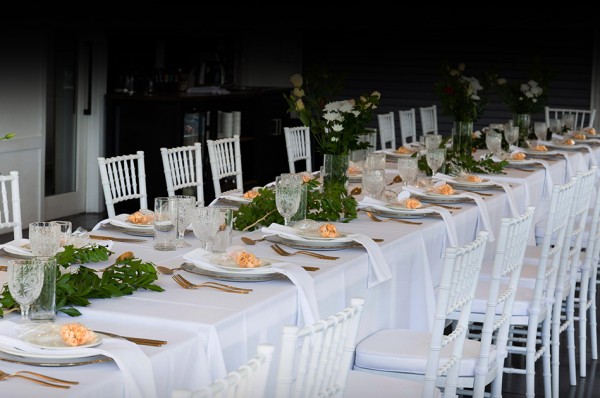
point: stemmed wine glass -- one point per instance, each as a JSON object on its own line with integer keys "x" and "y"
{"x": 540, "y": 130}
{"x": 288, "y": 192}
{"x": 435, "y": 159}
{"x": 205, "y": 224}
{"x": 25, "y": 281}
{"x": 408, "y": 168}
{"x": 511, "y": 134}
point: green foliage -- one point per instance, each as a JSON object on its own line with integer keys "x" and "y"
{"x": 333, "y": 205}
{"x": 122, "y": 278}
{"x": 457, "y": 162}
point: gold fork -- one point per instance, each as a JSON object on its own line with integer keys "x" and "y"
{"x": 4, "y": 376}
{"x": 377, "y": 219}
{"x": 479, "y": 193}
{"x": 282, "y": 252}
{"x": 184, "y": 283}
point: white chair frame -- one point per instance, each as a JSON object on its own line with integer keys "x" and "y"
{"x": 12, "y": 205}
{"x": 249, "y": 380}
{"x": 297, "y": 143}
{"x": 183, "y": 169}
{"x": 121, "y": 180}
{"x": 429, "y": 124}
{"x": 387, "y": 130}
{"x": 583, "y": 117}
{"x": 408, "y": 126}
{"x": 225, "y": 161}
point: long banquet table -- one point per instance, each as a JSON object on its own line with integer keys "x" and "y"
{"x": 210, "y": 332}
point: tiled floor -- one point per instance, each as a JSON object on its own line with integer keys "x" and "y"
{"x": 514, "y": 385}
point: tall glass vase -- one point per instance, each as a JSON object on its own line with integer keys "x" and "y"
{"x": 462, "y": 137}
{"x": 523, "y": 122}
{"x": 335, "y": 169}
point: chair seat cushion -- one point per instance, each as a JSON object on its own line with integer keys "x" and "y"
{"x": 363, "y": 384}
{"x": 405, "y": 351}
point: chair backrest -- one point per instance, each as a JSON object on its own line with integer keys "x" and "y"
{"x": 387, "y": 130}
{"x": 429, "y": 120}
{"x": 10, "y": 212}
{"x": 225, "y": 161}
{"x": 408, "y": 126}
{"x": 123, "y": 178}
{"x": 297, "y": 143}
{"x": 508, "y": 262}
{"x": 249, "y": 380}
{"x": 460, "y": 275}
{"x": 371, "y": 137}
{"x": 183, "y": 169}
{"x": 583, "y": 117}
{"x": 315, "y": 359}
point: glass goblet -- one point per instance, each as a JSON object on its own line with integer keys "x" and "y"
{"x": 183, "y": 207}
{"x": 288, "y": 192}
{"x": 435, "y": 159}
{"x": 25, "y": 281}
{"x": 433, "y": 141}
{"x": 408, "y": 168}
{"x": 511, "y": 135}
{"x": 540, "y": 130}
{"x": 44, "y": 238}
{"x": 205, "y": 224}
{"x": 373, "y": 182}
{"x": 493, "y": 141}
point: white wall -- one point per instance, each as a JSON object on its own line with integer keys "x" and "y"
{"x": 23, "y": 112}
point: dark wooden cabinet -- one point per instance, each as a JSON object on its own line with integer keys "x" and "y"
{"x": 149, "y": 122}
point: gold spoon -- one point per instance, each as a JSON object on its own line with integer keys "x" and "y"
{"x": 250, "y": 241}
{"x": 396, "y": 180}
{"x": 355, "y": 191}
{"x": 167, "y": 271}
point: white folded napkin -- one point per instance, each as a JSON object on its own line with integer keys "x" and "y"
{"x": 15, "y": 247}
{"x": 379, "y": 270}
{"x": 135, "y": 366}
{"x": 484, "y": 216}
{"x": 307, "y": 297}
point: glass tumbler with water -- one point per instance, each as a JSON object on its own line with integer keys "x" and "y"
{"x": 541, "y": 130}
{"x": 165, "y": 221}
{"x": 408, "y": 169}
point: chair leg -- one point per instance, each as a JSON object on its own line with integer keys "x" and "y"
{"x": 571, "y": 337}
{"x": 593, "y": 325}
{"x": 547, "y": 370}
{"x": 530, "y": 361}
{"x": 582, "y": 313}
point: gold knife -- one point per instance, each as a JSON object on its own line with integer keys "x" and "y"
{"x": 127, "y": 240}
{"x": 3, "y": 268}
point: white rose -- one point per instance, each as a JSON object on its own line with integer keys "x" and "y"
{"x": 532, "y": 83}
{"x": 475, "y": 97}
{"x": 524, "y": 88}
{"x": 299, "y": 105}
{"x": 461, "y": 67}
{"x": 529, "y": 94}
{"x": 337, "y": 127}
{"x": 296, "y": 80}
{"x": 376, "y": 94}
{"x": 346, "y": 106}
{"x": 332, "y": 106}
{"x": 330, "y": 116}
{"x": 298, "y": 92}
{"x": 356, "y": 113}
{"x": 537, "y": 91}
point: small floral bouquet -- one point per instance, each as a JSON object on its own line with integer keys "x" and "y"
{"x": 335, "y": 125}
{"x": 461, "y": 96}
{"x": 523, "y": 98}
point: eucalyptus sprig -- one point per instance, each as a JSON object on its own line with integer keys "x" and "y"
{"x": 332, "y": 205}
{"x": 125, "y": 276}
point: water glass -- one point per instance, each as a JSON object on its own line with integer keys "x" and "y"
{"x": 511, "y": 134}
{"x": 206, "y": 224}
{"x": 373, "y": 182}
{"x": 408, "y": 169}
{"x": 493, "y": 141}
{"x": 288, "y": 194}
{"x": 25, "y": 281}
{"x": 375, "y": 161}
{"x": 432, "y": 141}
{"x": 435, "y": 159}
{"x": 44, "y": 238}
{"x": 568, "y": 121}
{"x": 65, "y": 232}
{"x": 183, "y": 206}
{"x": 44, "y": 307}
{"x": 165, "y": 220}
{"x": 556, "y": 126}
{"x": 541, "y": 130}
{"x": 222, "y": 238}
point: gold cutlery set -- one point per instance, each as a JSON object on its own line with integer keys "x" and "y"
{"x": 39, "y": 378}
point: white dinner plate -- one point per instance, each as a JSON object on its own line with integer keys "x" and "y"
{"x": 48, "y": 337}
{"x": 484, "y": 184}
{"x": 316, "y": 235}
{"x": 394, "y": 154}
{"x": 440, "y": 198}
{"x": 53, "y": 362}
{"x": 313, "y": 244}
{"x": 231, "y": 276}
{"x": 228, "y": 263}
{"x": 563, "y": 146}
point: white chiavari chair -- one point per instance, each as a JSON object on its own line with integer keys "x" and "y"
{"x": 297, "y": 143}
{"x": 429, "y": 120}
{"x": 408, "y": 126}
{"x": 370, "y": 137}
{"x": 433, "y": 356}
{"x": 123, "y": 178}
{"x": 183, "y": 169}
{"x": 249, "y": 380}
{"x": 387, "y": 130}
{"x": 225, "y": 161}
{"x": 10, "y": 212}
{"x": 583, "y": 117}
